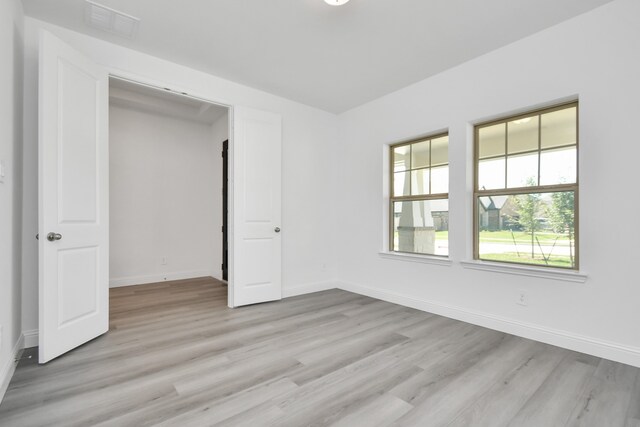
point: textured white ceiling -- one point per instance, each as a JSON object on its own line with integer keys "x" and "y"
{"x": 333, "y": 58}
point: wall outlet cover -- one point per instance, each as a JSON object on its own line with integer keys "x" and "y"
{"x": 522, "y": 298}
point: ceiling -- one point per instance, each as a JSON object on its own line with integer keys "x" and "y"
{"x": 157, "y": 101}
{"x": 332, "y": 58}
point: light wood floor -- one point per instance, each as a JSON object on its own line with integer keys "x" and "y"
{"x": 177, "y": 356}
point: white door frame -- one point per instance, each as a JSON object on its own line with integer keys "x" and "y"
{"x": 142, "y": 81}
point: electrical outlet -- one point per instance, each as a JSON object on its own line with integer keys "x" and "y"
{"x": 522, "y": 298}
{"x": 3, "y": 171}
{"x": 164, "y": 260}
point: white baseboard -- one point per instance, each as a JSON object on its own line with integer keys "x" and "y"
{"x": 307, "y": 288}
{"x": 30, "y": 338}
{"x": 596, "y": 347}
{"x": 6, "y": 371}
{"x": 154, "y": 278}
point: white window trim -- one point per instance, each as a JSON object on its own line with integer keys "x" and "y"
{"x": 424, "y": 259}
{"x": 523, "y": 270}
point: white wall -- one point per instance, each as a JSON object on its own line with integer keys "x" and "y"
{"x": 309, "y": 139}
{"x": 593, "y": 56}
{"x": 165, "y": 198}
{"x": 11, "y": 23}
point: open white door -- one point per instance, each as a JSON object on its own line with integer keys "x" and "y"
{"x": 73, "y": 199}
{"x": 255, "y": 273}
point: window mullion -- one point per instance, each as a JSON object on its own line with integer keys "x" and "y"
{"x": 430, "y": 160}
{"x": 539, "y": 145}
{"x": 506, "y": 154}
{"x": 527, "y": 190}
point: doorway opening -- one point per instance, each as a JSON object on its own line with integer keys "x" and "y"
{"x": 168, "y": 192}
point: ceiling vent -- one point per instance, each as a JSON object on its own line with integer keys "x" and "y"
{"x": 106, "y": 19}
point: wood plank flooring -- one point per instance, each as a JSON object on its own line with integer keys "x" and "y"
{"x": 177, "y": 356}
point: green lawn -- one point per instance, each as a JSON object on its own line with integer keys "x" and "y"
{"x": 521, "y": 237}
{"x": 505, "y": 235}
{"x": 440, "y": 235}
{"x": 554, "y": 260}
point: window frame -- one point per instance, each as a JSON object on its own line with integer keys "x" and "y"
{"x": 409, "y": 198}
{"x": 477, "y": 193}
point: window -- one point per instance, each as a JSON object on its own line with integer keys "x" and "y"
{"x": 526, "y": 188}
{"x": 419, "y": 203}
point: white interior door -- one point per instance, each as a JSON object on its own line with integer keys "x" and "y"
{"x": 73, "y": 199}
{"x": 256, "y": 271}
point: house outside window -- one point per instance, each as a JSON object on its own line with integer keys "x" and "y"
{"x": 419, "y": 202}
{"x": 526, "y": 188}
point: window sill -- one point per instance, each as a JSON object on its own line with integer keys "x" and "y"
{"x": 521, "y": 270}
{"x": 425, "y": 259}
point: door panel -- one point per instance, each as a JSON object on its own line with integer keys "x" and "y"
{"x": 256, "y": 272}
{"x": 73, "y": 199}
{"x": 78, "y": 284}
{"x": 78, "y": 148}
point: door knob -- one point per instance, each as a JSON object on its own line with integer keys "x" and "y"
{"x": 277, "y": 229}
{"x": 54, "y": 236}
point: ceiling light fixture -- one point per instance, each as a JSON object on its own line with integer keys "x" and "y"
{"x": 336, "y": 2}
